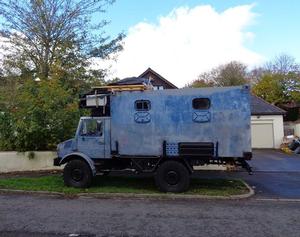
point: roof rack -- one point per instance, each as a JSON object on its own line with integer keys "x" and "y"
{"x": 124, "y": 88}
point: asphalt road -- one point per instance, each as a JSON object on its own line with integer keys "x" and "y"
{"x": 43, "y": 216}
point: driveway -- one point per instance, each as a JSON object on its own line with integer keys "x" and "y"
{"x": 276, "y": 175}
{"x": 274, "y": 161}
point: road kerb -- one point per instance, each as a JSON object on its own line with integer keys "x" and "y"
{"x": 135, "y": 195}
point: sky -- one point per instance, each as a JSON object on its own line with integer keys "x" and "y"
{"x": 181, "y": 39}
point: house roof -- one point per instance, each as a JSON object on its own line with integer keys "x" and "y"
{"x": 149, "y": 70}
{"x": 262, "y": 107}
{"x": 142, "y": 79}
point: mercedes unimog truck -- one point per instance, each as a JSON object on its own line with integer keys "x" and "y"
{"x": 163, "y": 132}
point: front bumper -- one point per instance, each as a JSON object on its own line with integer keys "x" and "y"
{"x": 56, "y": 161}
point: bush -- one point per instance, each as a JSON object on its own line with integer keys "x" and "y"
{"x": 45, "y": 114}
{"x": 7, "y": 131}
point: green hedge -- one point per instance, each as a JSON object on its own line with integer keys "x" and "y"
{"x": 44, "y": 114}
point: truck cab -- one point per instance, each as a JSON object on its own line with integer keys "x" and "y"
{"x": 91, "y": 139}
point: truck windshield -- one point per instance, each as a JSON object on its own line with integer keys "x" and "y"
{"x": 91, "y": 127}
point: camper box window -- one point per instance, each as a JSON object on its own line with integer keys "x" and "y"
{"x": 142, "y": 105}
{"x": 201, "y": 103}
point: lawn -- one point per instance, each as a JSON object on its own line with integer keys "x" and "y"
{"x": 113, "y": 184}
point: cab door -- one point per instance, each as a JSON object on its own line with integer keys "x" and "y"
{"x": 91, "y": 137}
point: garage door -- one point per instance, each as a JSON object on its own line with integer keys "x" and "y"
{"x": 262, "y": 135}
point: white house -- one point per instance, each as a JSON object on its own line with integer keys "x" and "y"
{"x": 266, "y": 124}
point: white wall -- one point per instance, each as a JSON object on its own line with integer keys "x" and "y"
{"x": 277, "y": 121}
{"x": 43, "y": 160}
{"x": 297, "y": 130}
{"x": 15, "y": 161}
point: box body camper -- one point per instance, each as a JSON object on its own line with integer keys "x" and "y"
{"x": 164, "y": 132}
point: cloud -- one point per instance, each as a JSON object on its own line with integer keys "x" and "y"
{"x": 3, "y": 49}
{"x": 2, "y": 46}
{"x": 187, "y": 42}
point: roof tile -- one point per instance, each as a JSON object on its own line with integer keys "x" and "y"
{"x": 262, "y": 107}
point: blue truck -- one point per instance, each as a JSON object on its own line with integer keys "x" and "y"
{"x": 163, "y": 132}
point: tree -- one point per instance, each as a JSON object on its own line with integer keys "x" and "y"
{"x": 282, "y": 64}
{"x": 279, "y": 80}
{"x": 44, "y": 114}
{"x": 200, "y": 83}
{"x": 54, "y": 41}
{"x": 203, "y": 80}
{"x": 278, "y": 88}
{"x": 256, "y": 74}
{"x": 42, "y": 35}
{"x": 231, "y": 74}
{"x": 270, "y": 88}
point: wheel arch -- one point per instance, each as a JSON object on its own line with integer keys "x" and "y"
{"x": 180, "y": 160}
{"x": 79, "y": 156}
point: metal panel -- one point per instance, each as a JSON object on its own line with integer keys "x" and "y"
{"x": 172, "y": 149}
{"x": 142, "y": 117}
{"x": 92, "y": 145}
{"x": 201, "y": 117}
{"x": 171, "y": 120}
{"x": 107, "y": 134}
{"x": 95, "y": 145}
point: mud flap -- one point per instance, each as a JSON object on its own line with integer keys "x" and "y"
{"x": 245, "y": 165}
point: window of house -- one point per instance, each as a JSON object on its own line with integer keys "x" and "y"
{"x": 158, "y": 88}
{"x": 201, "y": 103}
{"x": 142, "y": 105}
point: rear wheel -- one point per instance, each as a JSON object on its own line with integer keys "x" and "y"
{"x": 77, "y": 174}
{"x": 172, "y": 176}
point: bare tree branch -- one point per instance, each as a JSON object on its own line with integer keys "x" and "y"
{"x": 46, "y": 31}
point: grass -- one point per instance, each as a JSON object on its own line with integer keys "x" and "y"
{"x": 112, "y": 184}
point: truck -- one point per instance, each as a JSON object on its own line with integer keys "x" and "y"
{"x": 166, "y": 133}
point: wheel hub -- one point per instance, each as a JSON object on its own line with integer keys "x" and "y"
{"x": 172, "y": 177}
{"x": 77, "y": 174}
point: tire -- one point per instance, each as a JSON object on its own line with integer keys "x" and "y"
{"x": 172, "y": 176}
{"x": 77, "y": 174}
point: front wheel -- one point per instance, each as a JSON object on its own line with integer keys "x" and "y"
{"x": 77, "y": 174}
{"x": 172, "y": 176}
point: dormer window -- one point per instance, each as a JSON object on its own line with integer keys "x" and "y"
{"x": 158, "y": 88}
